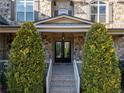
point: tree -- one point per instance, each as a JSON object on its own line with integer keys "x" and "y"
{"x": 25, "y": 72}
{"x": 100, "y": 68}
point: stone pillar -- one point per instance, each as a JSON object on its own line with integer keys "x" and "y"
{"x": 47, "y": 45}
{"x": 78, "y": 46}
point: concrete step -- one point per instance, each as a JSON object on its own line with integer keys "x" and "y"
{"x": 63, "y": 90}
{"x": 63, "y": 83}
{"x": 63, "y": 77}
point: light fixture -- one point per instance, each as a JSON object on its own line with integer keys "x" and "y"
{"x": 63, "y": 36}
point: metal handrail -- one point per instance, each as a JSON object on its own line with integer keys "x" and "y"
{"x": 76, "y": 76}
{"x": 48, "y": 77}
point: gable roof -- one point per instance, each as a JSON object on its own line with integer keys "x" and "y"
{"x": 64, "y": 17}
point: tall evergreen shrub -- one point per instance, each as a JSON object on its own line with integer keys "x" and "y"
{"x": 100, "y": 69}
{"x": 25, "y": 72}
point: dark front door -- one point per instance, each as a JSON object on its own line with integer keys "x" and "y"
{"x": 62, "y": 51}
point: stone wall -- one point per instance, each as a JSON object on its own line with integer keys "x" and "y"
{"x": 118, "y": 15}
{"x": 5, "y": 44}
{"x": 82, "y": 10}
{"x": 119, "y": 46}
{"x": 78, "y": 46}
{"x": 45, "y": 9}
{"x": 77, "y": 41}
{"x": 5, "y": 8}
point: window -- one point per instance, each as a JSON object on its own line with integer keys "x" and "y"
{"x": 24, "y": 10}
{"x": 98, "y": 11}
{"x": 62, "y": 11}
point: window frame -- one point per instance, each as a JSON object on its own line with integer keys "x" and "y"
{"x": 98, "y": 5}
{"x": 25, "y": 10}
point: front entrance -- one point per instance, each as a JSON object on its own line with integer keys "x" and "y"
{"x": 63, "y": 51}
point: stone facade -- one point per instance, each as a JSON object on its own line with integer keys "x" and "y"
{"x": 76, "y": 39}
{"x": 119, "y": 46}
{"x": 81, "y": 9}
{"x": 5, "y": 9}
{"x": 45, "y": 9}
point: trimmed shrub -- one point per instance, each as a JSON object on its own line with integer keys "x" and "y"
{"x": 100, "y": 69}
{"x": 25, "y": 72}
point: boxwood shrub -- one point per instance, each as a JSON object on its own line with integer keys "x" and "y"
{"x": 25, "y": 72}
{"x": 100, "y": 68}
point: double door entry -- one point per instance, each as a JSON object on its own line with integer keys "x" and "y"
{"x": 62, "y": 51}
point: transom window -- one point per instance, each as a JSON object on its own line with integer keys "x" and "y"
{"x": 24, "y": 10}
{"x": 98, "y": 11}
{"x": 63, "y": 11}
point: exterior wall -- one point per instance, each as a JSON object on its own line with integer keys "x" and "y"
{"x": 82, "y": 10}
{"x": 3, "y": 46}
{"x": 119, "y": 46}
{"x": 5, "y": 8}
{"x": 118, "y": 15}
{"x": 63, "y": 4}
{"x": 48, "y": 39}
{"x": 115, "y": 15}
{"x": 45, "y": 9}
{"x": 77, "y": 40}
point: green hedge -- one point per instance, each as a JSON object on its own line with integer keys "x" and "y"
{"x": 25, "y": 72}
{"x": 100, "y": 69}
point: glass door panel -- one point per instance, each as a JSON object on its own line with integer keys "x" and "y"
{"x": 67, "y": 50}
{"x": 58, "y": 49}
{"x": 62, "y": 51}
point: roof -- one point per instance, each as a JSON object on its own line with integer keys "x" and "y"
{"x": 64, "y": 16}
{"x": 3, "y": 21}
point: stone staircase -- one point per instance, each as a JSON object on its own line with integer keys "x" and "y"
{"x": 63, "y": 79}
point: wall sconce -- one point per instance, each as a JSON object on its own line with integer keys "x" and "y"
{"x": 63, "y": 37}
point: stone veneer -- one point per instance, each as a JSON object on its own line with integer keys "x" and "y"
{"x": 5, "y": 8}
{"x": 45, "y": 9}
{"x": 77, "y": 41}
{"x": 119, "y": 46}
{"x": 81, "y": 10}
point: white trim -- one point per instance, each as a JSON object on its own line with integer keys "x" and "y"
{"x": 107, "y": 12}
{"x": 79, "y": 62}
{"x": 62, "y": 30}
{"x": 63, "y": 16}
{"x": 48, "y": 26}
{"x": 49, "y": 77}
{"x": 76, "y": 77}
{"x": 98, "y": 10}
{"x": 1, "y": 61}
{"x": 98, "y": 6}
